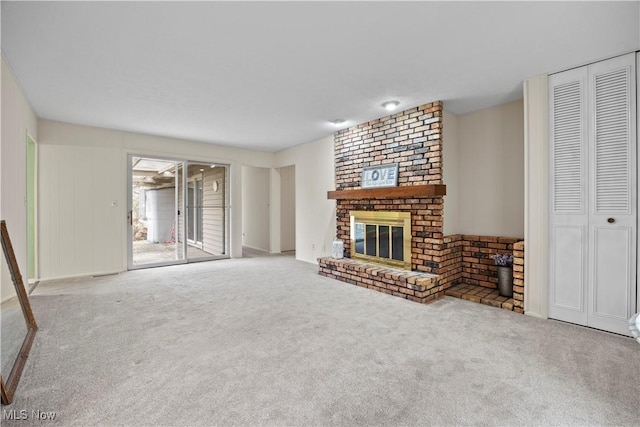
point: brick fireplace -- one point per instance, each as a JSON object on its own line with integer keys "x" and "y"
{"x": 413, "y": 140}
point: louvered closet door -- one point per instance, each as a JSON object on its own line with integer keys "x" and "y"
{"x": 613, "y": 192}
{"x": 593, "y": 195}
{"x": 568, "y": 239}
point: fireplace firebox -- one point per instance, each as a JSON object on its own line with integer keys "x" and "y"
{"x": 382, "y": 237}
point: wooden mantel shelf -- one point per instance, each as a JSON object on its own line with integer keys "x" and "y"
{"x": 403, "y": 192}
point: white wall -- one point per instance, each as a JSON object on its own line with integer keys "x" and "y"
{"x": 451, "y": 173}
{"x": 275, "y": 224}
{"x": 315, "y": 214}
{"x": 18, "y": 120}
{"x": 82, "y": 174}
{"x": 490, "y": 171}
{"x": 287, "y": 208}
{"x": 255, "y": 208}
{"x": 536, "y": 109}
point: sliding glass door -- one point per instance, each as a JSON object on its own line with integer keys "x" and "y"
{"x": 168, "y": 225}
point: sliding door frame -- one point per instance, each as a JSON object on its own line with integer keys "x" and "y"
{"x": 181, "y": 206}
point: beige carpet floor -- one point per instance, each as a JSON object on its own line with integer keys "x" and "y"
{"x": 266, "y": 341}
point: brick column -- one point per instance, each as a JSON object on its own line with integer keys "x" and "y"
{"x": 413, "y": 139}
{"x": 518, "y": 277}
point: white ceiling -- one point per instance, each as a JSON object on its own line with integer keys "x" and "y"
{"x": 270, "y": 75}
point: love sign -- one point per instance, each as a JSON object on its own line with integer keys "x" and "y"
{"x": 380, "y": 176}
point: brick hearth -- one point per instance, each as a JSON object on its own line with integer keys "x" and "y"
{"x": 482, "y": 295}
{"x": 412, "y": 285}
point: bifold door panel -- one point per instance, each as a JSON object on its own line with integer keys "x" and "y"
{"x": 593, "y": 172}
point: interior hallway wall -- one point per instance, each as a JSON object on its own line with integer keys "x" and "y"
{"x": 287, "y": 208}
{"x": 18, "y": 121}
{"x": 315, "y": 214}
{"x": 255, "y": 203}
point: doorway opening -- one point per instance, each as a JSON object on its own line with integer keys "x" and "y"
{"x": 178, "y": 212}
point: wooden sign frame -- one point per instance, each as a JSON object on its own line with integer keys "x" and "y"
{"x": 380, "y": 176}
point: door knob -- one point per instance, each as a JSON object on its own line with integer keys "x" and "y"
{"x": 611, "y": 220}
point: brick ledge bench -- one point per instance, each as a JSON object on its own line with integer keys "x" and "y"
{"x": 413, "y": 285}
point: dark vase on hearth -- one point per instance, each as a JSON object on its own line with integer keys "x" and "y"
{"x": 505, "y": 281}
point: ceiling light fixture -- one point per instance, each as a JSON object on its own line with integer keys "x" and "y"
{"x": 390, "y": 105}
{"x": 337, "y": 122}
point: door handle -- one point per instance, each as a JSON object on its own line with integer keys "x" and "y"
{"x": 611, "y": 220}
